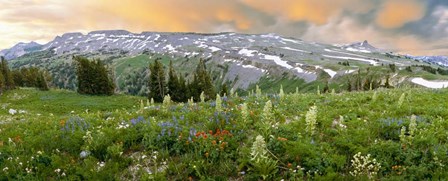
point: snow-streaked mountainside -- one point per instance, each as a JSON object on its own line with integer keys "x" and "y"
{"x": 19, "y": 50}
{"x": 439, "y": 60}
{"x": 247, "y": 58}
{"x": 364, "y": 47}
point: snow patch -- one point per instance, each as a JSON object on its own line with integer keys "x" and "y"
{"x": 247, "y": 52}
{"x": 253, "y": 67}
{"x": 430, "y": 84}
{"x": 214, "y": 49}
{"x": 278, "y": 61}
{"x": 358, "y": 50}
{"x": 291, "y": 40}
{"x": 299, "y": 70}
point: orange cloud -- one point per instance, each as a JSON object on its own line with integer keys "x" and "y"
{"x": 314, "y": 11}
{"x": 396, "y": 13}
{"x": 172, "y": 15}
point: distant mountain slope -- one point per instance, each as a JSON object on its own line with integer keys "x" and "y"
{"x": 438, "y": 60}
{"x": 19, "y": 50}
{"x": 242, "y": 59}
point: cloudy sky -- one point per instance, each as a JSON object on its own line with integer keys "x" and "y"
{"x": 407, "y": 26}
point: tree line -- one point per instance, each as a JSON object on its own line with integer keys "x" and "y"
{"x": 24, "y": 77}
{"x": 179, "y": 89}
{"x": 94, "y": 79}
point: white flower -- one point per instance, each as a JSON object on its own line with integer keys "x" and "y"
{"x": 5, "y": 169}
{"x": 12, "y": 111}
{"x": 101, "y": 164}
{"x": 39, "y": 152}
{"x": 63, "y": 174}
{"x": 57, "y": 170}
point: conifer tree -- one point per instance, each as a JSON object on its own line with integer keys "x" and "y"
{"x": 183, "y": 90}
{"x": 1, "y": 83}
{"x": 224, "y": 90}
{"x": 42, "y": 82}
{"x": 202, "y": 82}
{"x": 157, "y": 82}
{"x": 93, "y": 77}
{"x": 7, "y": 76}
{"x": 174, "y": 84}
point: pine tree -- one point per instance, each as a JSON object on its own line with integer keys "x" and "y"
{"x": 202, "y": 82}
{"x": 7, "y": 76}
{"x": 42, "y": 83}
{"x": 183, "y": 90}
{"x": 326, "y": 88}
{"x": 224, "y": 90}
{"x": 2, "y": 80}
{"x": 174, "y": 84}
{"x": 157, "y": 82}
{"x": 93, "y": 77}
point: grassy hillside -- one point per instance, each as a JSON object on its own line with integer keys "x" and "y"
{"x": 385, "y": 134}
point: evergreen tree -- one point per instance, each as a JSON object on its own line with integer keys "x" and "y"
{"x": 202, "y": 82}
{"x": 7, "y": 76}
{"x": 183, "y": 90}
{"x": 326, "y": 88}
{"x": 224, "y": 90}
{"x": 174, "y": 84}
{"x": 157, "y": 82}
{"x": 2, "y": 80}
{"x": 93, "y": 77}
{"x": 42, "y": 82}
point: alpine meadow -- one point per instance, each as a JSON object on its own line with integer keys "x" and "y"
{"x": 224, "y": 90}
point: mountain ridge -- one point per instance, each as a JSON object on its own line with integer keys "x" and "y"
{"x": 243, "y": 59}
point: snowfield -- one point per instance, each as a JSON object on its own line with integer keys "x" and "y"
{"x": 247, "y": 52}
{"x": 430, "y": 84}
{"x": 278, "y": 61}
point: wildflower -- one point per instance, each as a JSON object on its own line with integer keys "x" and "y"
{"x": 202, "y": 97}
{"x": 101, "y": 164}
{"x": 259, "y": 149}
{"x": 12, "y": 111}
{"x": 401, "y": 100}
{"x": 5, "y": 169}
{"x": 57, "y": 170}
{"x": 311, "y": 120}
{"x": 63, "y": 174}
{"x": 364, "y": 165}
{"x": 267, "y": 114}
{"x": 281, "y": 93}
{"x": 244, "y": 113}
{"x": 257, "y": 91}
{"x": 218, "y": 103}
{"x": 84, "y": 154}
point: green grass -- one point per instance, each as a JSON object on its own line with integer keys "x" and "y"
{"x": 63, "y": 102}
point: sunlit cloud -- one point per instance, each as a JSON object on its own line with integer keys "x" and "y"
{"x": 396, "y": 13}
{"x": 385, "y": 23}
